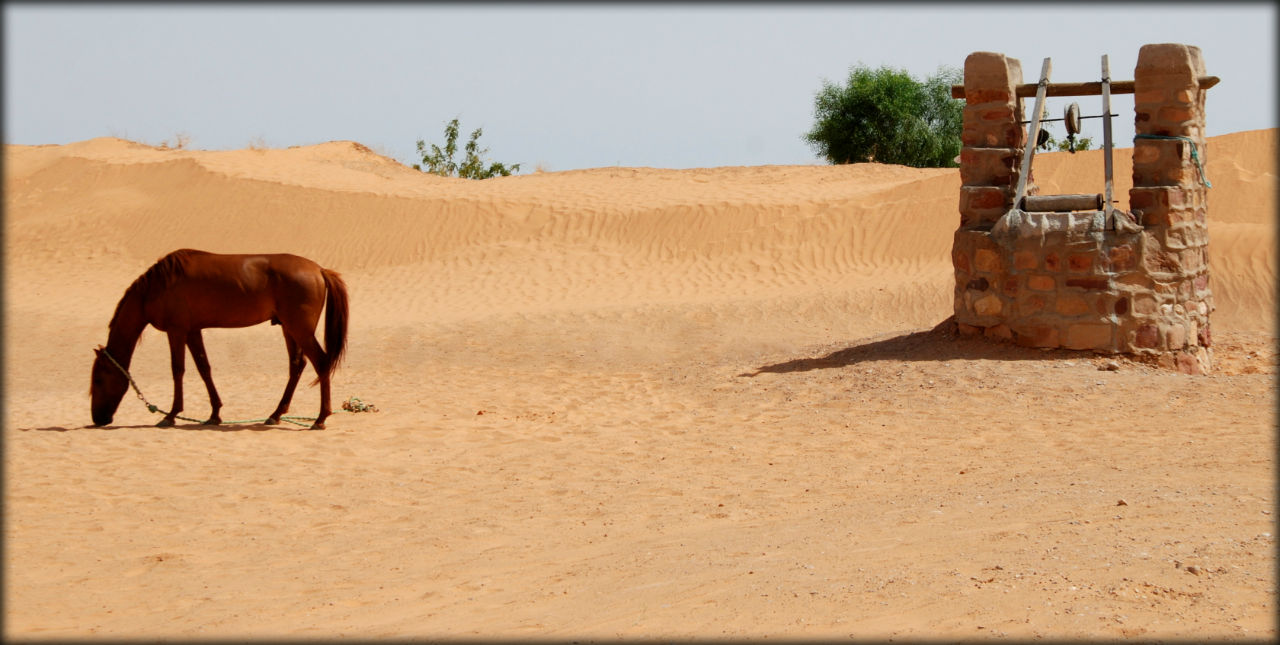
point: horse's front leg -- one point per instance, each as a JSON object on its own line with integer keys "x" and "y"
{"x": 177, "y": 362}
{"x": 196, "y": 342}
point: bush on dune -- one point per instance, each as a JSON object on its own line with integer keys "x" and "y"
{"x": 440, "y": 162}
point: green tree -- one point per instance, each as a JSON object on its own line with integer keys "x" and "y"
{"x": 1067, "y": 145}
{"x": 886, "y": 115}
{"x": 440, "y": 162}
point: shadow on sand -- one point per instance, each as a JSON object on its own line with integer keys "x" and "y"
{"x": 197, "y": 427}
{"x": 942, "y": 343}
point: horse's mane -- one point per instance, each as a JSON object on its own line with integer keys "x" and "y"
{"x": 160, "y": 275}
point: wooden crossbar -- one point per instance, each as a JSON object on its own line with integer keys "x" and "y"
{"x": 1092, "y": 88}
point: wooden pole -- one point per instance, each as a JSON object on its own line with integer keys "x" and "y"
{"x": 1033, "y": 134}
{"x": 1061, "y": 203}
{"x": 1106, "y": 131}
{"x": 1092, "y": 88}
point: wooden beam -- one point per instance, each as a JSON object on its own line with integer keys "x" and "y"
{"x": 1106, "y": 134}
{"x": 1093, "y": 88}
{"x": 1033, "y": 133}
{"x": 1061, "y": 203}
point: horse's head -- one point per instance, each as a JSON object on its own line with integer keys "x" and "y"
{"x": 106, "y": 388}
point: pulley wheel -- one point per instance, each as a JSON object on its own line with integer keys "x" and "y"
{"x": 1072, "y": 119}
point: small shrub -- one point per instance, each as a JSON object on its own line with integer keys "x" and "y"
{"x": 440, "y": 162}
{"x": 180, "y": 141}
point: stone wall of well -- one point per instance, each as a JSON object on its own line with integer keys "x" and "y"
{"x": 1067, "y": 280}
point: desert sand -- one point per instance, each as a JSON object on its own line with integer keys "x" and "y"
{"x": 621, "y": 403}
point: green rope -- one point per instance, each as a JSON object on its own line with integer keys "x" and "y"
{"x": 155, "y": 408}
{"x": 1194, "y": 157}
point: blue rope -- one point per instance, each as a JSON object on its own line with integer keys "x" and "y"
{"x": 1194, "y": 157}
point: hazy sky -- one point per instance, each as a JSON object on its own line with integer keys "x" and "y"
{"x": 567, "y": 86}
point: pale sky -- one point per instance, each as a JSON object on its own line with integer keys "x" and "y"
{"x": 567, "y": 86}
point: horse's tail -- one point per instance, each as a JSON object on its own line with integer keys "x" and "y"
{"x": 335, "y": 319}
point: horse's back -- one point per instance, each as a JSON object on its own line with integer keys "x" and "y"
{"x": 287, "y": 262}
{"x": 206, "y": 289}
{"x": 239, "y": 267}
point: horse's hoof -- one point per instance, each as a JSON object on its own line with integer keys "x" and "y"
{"x": 272, "y": 421}
{"x": 213, "y": 422}
{"x": 165, "y": 423}
{"x": 317, "y": 426}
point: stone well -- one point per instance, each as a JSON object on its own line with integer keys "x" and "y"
{"x": 1111, "y": 281}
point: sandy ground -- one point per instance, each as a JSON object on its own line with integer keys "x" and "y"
{"x": 621, "y": 402}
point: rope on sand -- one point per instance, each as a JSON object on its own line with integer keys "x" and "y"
{"x": 154, "y": 408}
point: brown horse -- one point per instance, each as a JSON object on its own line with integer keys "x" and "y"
{"x": 187, "y": 290}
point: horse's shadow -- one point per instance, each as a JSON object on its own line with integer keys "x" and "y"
{"x": 941, "y": 343}
{"x": 191, "y": 427}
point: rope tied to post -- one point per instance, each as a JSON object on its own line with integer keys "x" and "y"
{"x": 1194, "y": 155}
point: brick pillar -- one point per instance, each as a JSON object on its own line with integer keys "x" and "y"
{"x": 992, "y": 138}
{"x": 1170, "y": 197}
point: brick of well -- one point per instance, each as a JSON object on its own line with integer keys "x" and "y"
{"x": 1052, "y": 262}
{"x": 991, "y": 70}
{"x": 1150, "y": 95}
{"x": 1088, "y": 336}
{"x": 999, "y": 332}
{"x": 989, "y": 305}
{"x": 1180, "y": 114}
{"x": 984, "y": 198}
{"x": 1092, "y": 283}
{"x": 1079, "y": 262}
{"x": 986, "y": 260}
{"x": 1041, "y": 283}
{"x": 1191, "y": 260}
{"x": 1147, "y": 336}
{"x": 1122, "y": 258}
{"x": 1030, "y": 303}
{"x": 1071, "y": 305}
{"x": 982, "y": 95}
{"x": 1036, "y": 335}
{"x": 1167, "y": 66}
{"x": 1153, "y": 198}
{"x": 988, "y": 166}
{"x": 1160, "y": 261}
{"x": 1145, "y": 304}
{"x": 1145, "y": 151}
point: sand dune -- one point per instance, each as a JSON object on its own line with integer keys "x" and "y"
{"x": 621, "y": 402}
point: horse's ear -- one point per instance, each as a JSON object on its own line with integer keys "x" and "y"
{"x": 97, "y": 351}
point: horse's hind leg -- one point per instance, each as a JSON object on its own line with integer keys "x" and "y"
{"x": 296, "y": 363}
{"x": 196, "y": 342}
{"x": 320, "y": 361}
